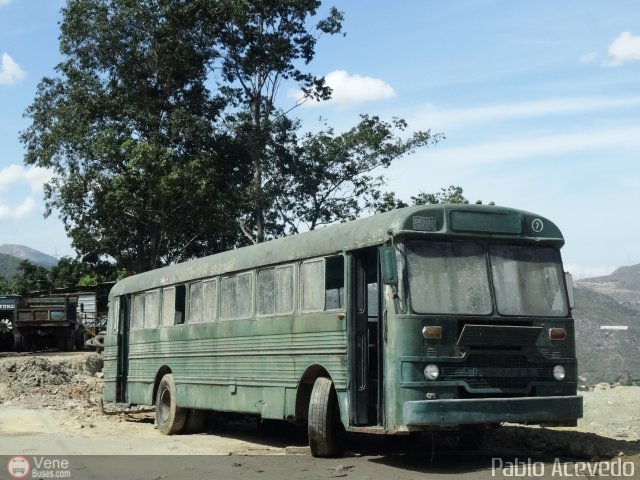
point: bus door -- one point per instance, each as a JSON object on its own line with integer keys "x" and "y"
{"x": 364, "y": 333}
{"x": 124, "y": 310}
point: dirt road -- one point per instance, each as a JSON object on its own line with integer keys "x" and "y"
{"x": 48, "y": 408}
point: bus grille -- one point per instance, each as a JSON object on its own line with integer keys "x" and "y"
{"x": 512, "y": 372}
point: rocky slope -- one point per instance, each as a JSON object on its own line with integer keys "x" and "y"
{"x": 623, "y": 285}
{"x": 606, "y": 355}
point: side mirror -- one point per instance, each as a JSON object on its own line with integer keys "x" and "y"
{"x": 388, "y": 265}
{"x": 568, "y": 278}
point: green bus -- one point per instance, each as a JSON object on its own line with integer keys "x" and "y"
{"x": 428, "y": 317}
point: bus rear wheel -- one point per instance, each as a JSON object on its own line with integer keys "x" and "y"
{"x": 169, "y": 417}
{"x": 326, "y": 433}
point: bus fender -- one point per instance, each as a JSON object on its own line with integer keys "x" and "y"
{"x": 305, "y": 386}
{"x": 156, "y": 383}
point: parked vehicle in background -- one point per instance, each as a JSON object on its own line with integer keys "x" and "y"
{"x": 46, "y": 322}
{"x": 59, "y": 319}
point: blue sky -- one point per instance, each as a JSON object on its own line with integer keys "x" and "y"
{"x": 538, "y": 102}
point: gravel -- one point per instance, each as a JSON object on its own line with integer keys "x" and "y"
{"x": 73, "y": 383}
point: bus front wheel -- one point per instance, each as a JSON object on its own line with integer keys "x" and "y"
{"x": 169, "y": 417}
{"x": 326, "y": 433}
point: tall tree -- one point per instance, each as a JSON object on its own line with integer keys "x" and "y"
{"x": 128, "y": 127}
{"x": 452, "y": 194}
{"x": 329, "y": 177}
{"x": 72, "y": 272}
{"x": 31, "y": 277}
{"x": 6, "y": 286}
{"x": 262, "y": 44}
{"x": 389, "y": 200}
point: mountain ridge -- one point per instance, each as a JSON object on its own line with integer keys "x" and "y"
{"x": 27, "y": 253}
{"x": 623, "y": 284}
{"x": 12, "y": 255}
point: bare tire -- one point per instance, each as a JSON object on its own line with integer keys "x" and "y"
{"x": 169, "y": 417}
{"x": 326, "y": 433}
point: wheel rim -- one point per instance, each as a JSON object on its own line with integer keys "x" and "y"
{"x": 165, "y": 405}
{"x": 6, "y": 326}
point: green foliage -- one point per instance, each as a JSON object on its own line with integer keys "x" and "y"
{"x": 129, "y": 127}
{"x": 329, "y": 177}
{"x": 262, "y": 44}
{"x": 6, "y": 286}
{"x": 32, "y": 278}
{"x": 152, "y": 167}
{"x": 389, "y": 200}
{"x": 67, "y": 272}
{"x": 452, "y": 194}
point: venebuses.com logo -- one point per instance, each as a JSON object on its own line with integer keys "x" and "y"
{"x": 18, "y": 467}
{"x": 38, "y": 467}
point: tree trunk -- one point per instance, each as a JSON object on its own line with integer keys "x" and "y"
{"x": 256, "y": 152}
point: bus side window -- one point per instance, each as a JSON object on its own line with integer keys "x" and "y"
{"x": 334, "y": 283}
{"x": 322, "y": 284}
{"x": 312, "y": 285}
{"x": 138, "y": 312}
{"x": 236, "y": 296}
{"x": 180, "y": 304}
{"x": 173, "y": 303}
{"x": 196, "y": 315}
{"x": 210, "y": 300}
{"x": 275, "y": 290}
{"x": 151, "y": 309}
{"x": 168, "y": 306}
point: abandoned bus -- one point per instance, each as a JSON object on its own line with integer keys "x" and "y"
{"x": 440, "y": 316}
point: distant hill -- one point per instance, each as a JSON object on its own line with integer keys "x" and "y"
{"x": 26, "y": 253}
{"x": 605, "y": 356}
{"x": 622, "y": 285}
{"x": 8, "y": 266}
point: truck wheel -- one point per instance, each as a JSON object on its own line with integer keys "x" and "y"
{"x": 169, "y": 417}
{"x": 326, "y": 433}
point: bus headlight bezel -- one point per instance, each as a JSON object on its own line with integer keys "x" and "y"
{"x": 559, "y": 373}
{"x": 431, "y": 372}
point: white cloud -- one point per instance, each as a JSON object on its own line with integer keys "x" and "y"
{"x": 588, "y": 58}
{"x": 433, "y": 117}
{"x": 495, "y": 152}
{"x": 27, "y": 207}
{"x": 349, "y": 90}
{"x": 10, "y": 72}
{"x": 625, "y": 48}
{"x": 35, "y": 177}
{"x": 4, "y": 2}
{"x": 15, "y": 175}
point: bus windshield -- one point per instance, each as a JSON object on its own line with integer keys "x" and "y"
{"x": 447, "y": 277}
{"x": 528, "y": 281}
{"x": 453, "y": 278}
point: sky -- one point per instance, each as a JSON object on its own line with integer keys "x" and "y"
{"x": 538, "y": 102}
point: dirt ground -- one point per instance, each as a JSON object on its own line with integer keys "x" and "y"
{"x": 49, "y": 405}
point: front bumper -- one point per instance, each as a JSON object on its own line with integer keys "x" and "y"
{"x": 492, "y": 410}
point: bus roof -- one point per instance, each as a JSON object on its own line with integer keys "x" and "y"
{"x": 450, "y": 220}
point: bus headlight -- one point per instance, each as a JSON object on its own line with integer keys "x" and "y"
{"x": 559, "y": 373}
{"x": 431, "y": 372}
